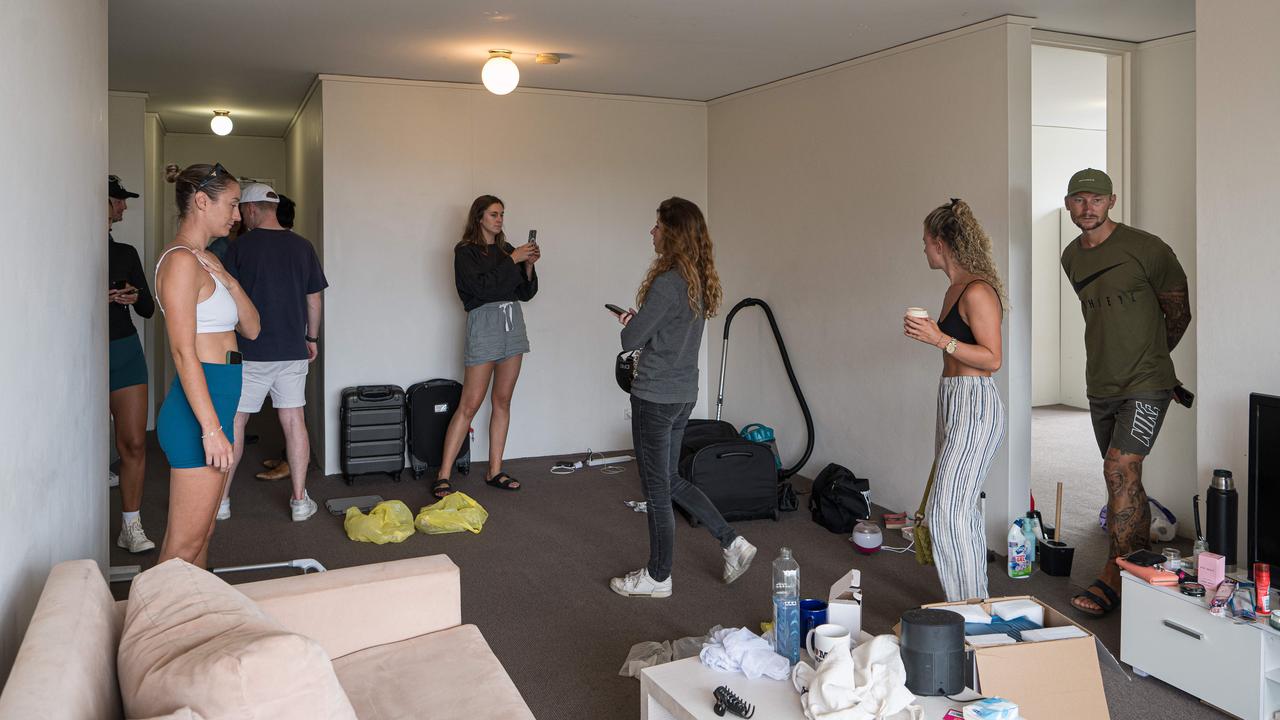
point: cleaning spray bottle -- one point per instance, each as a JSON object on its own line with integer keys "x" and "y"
{"x": 1019, "y": 566}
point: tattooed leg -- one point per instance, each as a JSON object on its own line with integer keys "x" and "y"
{"x": 1128, "y": 515}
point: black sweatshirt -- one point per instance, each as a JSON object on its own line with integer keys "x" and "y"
{"x": 487, "y": 274}
{"x": 123, "y": 264}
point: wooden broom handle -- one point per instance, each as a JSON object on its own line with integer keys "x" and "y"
{"x": 1057, "y": 517}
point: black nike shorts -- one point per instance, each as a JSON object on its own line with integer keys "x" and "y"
{"x": 1129, "y": 423}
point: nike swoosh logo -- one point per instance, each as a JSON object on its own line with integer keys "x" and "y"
{"x": 1084, "y": 282}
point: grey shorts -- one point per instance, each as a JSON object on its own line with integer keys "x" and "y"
{"x": 1129, "y": 423}
{"x": 495, "y": 332}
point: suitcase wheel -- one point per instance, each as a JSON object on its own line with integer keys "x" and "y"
{"x": 464, "y": 468}
{"x": 396, "y": 476}
{"x": 350, "y": 480}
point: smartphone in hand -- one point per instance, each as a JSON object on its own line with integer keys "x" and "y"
{"x": 533, "y": 236}
{"x": 118, "y": 284}
{"x": 614, "y": 309}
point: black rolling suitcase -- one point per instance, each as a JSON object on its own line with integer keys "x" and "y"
{"x": 431, "y": 406}
{"x": 372, "y": 422}
{"x": 740, "y": 477}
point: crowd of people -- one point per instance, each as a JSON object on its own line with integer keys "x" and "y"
{"x": 243, "y": 318}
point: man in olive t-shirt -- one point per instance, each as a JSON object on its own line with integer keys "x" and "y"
{"x": 1133, "y": 294}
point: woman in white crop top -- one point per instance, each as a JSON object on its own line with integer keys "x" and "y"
{"x": 204, "y": 307}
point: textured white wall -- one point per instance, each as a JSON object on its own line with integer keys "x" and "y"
{"x": 818, "y": 190}
{"x": 402, "y": 164}
{"x": 1237, "y": 258}
{"x": 53, "y": 372}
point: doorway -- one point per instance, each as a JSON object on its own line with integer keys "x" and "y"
{"x": 1078, "y": 121}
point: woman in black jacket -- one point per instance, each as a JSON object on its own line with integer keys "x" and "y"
{"x": 492, "y": 279}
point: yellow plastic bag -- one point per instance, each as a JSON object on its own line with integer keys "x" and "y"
{"x": 390, "y": 521}
{"x": 453, "y": 513}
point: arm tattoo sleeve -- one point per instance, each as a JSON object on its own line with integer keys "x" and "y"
{"x": 1176, "y": 305}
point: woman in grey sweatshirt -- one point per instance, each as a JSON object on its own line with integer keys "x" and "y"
{"x": 679, "y": 293}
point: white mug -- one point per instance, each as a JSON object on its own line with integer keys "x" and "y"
{"x": 826, "y": 639}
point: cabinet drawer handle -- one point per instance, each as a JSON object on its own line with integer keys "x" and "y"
{"x": 1183, "y": 629}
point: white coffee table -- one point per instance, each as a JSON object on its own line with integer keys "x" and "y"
{"x": 682, "y": 690}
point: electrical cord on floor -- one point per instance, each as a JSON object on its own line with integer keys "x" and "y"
{"x": 569, "y": 467}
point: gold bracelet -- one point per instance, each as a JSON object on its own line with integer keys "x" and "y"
{"x": 209, "y": 434}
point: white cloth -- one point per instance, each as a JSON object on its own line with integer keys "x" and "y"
{"x": 740, "y": 650}
{"x": 868, "y": 684}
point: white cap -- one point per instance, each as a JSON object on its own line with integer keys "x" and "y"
{"x": 258, "y": 192}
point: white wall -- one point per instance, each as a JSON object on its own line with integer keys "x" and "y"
{"x": 1164, "y": 202}
{"x": 126, "y": 158}
{"x": 402, "y": 163}
{"x": 52, "y": 284}
{"x": 818, "y": 188}
{"x": 304, "y": 176}
{"x": 1069, "y": 132}
{"x": 1238, "y": 262}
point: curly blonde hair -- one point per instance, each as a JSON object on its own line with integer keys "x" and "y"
{"x": 686, "y": 248}
{"x": 955, "y": 225}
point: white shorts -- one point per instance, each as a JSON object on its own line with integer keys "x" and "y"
{"x": 285, "y": 380}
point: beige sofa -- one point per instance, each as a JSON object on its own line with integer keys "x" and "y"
{"x": 393, "y": 631}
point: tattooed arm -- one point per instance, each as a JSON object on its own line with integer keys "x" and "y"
{"x": 1176, "y": 305}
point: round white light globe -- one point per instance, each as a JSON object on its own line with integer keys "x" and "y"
{"x": 220, "y": 124}
{"x": 500, "y": 75}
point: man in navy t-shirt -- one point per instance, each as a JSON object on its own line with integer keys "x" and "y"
{"x": 282, "y": 275}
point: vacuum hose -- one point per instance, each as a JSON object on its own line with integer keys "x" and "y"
{"x": 791, "y": 375}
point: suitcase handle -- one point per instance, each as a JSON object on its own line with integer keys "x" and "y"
{"x": 723, "y": 455}
{"x": 374, "y": 393}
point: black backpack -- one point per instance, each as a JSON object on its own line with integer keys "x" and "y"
{"x": 839, "y": 499}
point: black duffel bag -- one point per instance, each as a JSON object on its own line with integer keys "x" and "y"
{"x": 839, "y": 499}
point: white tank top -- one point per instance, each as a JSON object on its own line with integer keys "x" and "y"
{"x": 214, "y": 314}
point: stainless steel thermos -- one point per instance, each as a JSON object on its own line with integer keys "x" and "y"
{"x": 1222, "y": 508}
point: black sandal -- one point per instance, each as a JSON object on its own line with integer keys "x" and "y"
{"x": 442, "y": 488}
{"x": 503, "y": 481}
{"x": 1107, "y": 602}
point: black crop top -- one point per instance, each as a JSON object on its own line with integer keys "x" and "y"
{"x": 954, "y": 325}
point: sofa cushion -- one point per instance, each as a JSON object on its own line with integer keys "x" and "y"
{"x": 65, "y": 667}
{"x": 185, "y": 713}
{"x": 445, "y": 675}
{"x": 190, "y": 639}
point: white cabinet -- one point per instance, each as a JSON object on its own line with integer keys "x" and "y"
{"x": 1170, "y": 636}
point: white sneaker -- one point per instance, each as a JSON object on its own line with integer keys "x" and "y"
{"x": 737, "y": 558}
{"x": 304, "y": 508}
{"x": 113, "y": 480}
{"x": 224, "y": 509}
{"x": 133, "y": 539}
{"x": 639, "y": 584}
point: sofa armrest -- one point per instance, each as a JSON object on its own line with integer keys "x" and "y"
{"x": 351, "y": 609}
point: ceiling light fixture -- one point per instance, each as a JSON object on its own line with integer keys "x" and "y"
{"x": 500, "y": 74}
{"x": 221, "y": 123}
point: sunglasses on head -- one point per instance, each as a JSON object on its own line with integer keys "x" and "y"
{"x": 213, "y": 174}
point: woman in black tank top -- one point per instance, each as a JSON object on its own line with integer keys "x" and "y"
{"x": 970, "y": 415}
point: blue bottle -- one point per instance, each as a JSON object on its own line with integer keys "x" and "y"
{"x": 786, "y": 607}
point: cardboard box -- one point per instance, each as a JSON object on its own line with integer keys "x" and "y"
{"x": 844, "y": 603}
{"x": 1050, "y": 680}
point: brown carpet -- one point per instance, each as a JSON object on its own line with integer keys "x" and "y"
{"x": 536, "y": 579}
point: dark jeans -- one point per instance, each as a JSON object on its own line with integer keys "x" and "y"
{"x": 656, "y": 430}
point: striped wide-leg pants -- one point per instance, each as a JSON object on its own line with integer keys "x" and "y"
{"x": 970, "y": 428}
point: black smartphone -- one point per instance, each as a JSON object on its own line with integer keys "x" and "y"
{"x": 614, "y": 309}
{"x": 533, "y": 236}
{"x": 1144, "y": 558}
{"x": 118, "y": 284}
{"x": 234, "y": 358}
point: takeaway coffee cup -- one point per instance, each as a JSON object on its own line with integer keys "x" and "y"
{"x": 826, "y": 639}
{"x": 917, "y": 312}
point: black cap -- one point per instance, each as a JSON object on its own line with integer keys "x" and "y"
{"x": 116, "y": 190}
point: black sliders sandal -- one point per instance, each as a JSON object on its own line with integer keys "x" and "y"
{"x": 1105, "y": 602}
{"x": 503, "y": 481}
{"x": 442, "y": 488}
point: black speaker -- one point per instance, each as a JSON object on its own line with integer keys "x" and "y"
{"x": 933, "y": 651}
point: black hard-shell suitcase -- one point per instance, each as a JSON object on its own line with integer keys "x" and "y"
{"x": 432, "y": 404}
{"x": 738, "y": 476}
{"x": 372, "y": 431}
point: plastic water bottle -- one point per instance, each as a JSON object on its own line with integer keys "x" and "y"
{"x": 786, "y": 606}
{"x": 1019, "y": 567}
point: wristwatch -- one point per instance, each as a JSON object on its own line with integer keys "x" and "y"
{"x": 951, "y": 347}
{"x": 310, "y": 339}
